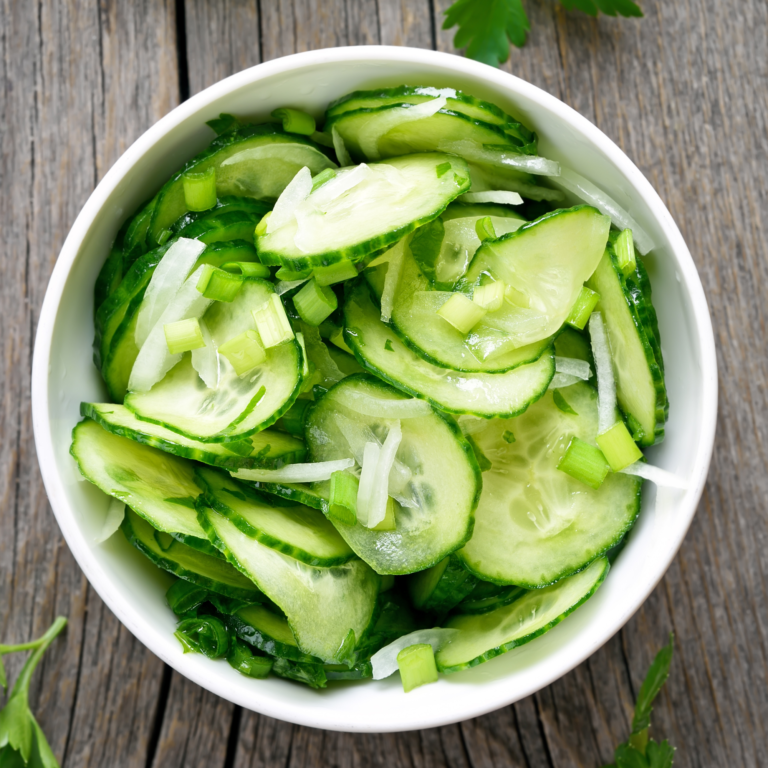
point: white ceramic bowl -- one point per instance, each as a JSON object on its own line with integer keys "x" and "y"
{"x": 63, "y": 376}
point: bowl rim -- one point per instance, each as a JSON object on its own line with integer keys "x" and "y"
{"x": 315, "y": 716}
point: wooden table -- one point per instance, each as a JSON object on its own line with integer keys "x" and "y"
{"x": 683, "y": 91}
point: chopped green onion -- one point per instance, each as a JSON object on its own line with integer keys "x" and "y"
{"x": 242, "y": 658}
{"x": 295, "y": 121}
{"x": 584, "y": 462}
{"x": 336, "y": 273}
{"x": 618, "y": 447}
{"x": 244, "y": 352}
{"x": 320, "y": 137}
{"x": 625, "y": 252}
{"x": 583, "y": 308}
{"x": 388, "y": 345}
{"x": 442, "y": 169}
{"x": 325, "y": 175}
{"x": 162, "y": 238}
{"x": 204, "y": 634}
{"x": 563, "y": 405}
{"x": 315, "y": 302}
{"x": 219, "y": 285}
{"x": 388, "y": 523}
{"x": 272, "y": 323}
{"x": 490, "y": 296}
{"x": 184, "y": 596}
{"x": 247, "y": 268}
{"x": 343, "y": 502}
{"x": 462, "y": 313}
{"x": 337, "y": 338}
{"x": 200, "y": 189}
{"x": 509, "y": 436}
{"x": 417, "y": 666}
{"x": 304, "y": 358}
{"x": 261, "y": 227}
{"x": 484, "y": 229}
{"x": 289, "y": 275}
{"x": 183, "y": 336}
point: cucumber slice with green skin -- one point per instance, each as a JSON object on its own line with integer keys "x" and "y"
{"x": 267, "y": 449}
{"x": 229, "y": 204}
{"x": 312, "y": 675}
{"x": 475, "y": 109}
{"x": 254, "y": 161}
{"x": 416, "y": 322}
{"x": 188, "y": 564}
{"x": 156, "y": 485}
{"x": 135, "y": 243}
{"x": 481, "y": 394}
{"x": 483, "y": 637}
{"x": 640, "y": 281}
{"x": 547, "y": 261}
{"x": 302, "y": 533}
{"x": 270, "y": 633}
{"x": 483, "y": 600}
{"x": 239, "y": 406}
{"x": 337, "y": 223}
{"x": 536, "y": 524}
{"x": 435, "y": 472}
{"x": 361, "y": 671}
{"x": 640, "y": 389}
{"x": 299, "y": 493}
{"x": 321, "y": 604}
{"x": 442, "y": 587}
{"x": 111, "y": 273}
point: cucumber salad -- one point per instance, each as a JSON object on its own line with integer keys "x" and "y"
{"x": 377, "y": 393}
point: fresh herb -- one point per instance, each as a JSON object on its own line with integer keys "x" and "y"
{"x": 22, "y": 741}
{"x": 487, "y": 27}
{"x": 640, "y": 751}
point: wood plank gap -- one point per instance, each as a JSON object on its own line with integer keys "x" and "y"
{"x": 433, "y": 18}
{"x": 234, "y": 735}
{"x": 181, "y": 50}
{"x": 157, "y": 723}
{"x": 543, "y": 732}
{"x": 260, "y": 15}
{"x": 467, "y": 753}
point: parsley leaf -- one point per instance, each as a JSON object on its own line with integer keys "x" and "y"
{"x": 654, "y": 680}
{"x": 487, "y": 27}
{"x": 660, "y": 755}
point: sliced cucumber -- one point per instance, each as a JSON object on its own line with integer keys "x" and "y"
{"x": 229, "y": 204}
{"x": 536, "y": 524}
{"x": 363, "y": 210}
{"x": 488, "y": 597}
{"x": 546, "y": 263}
{"x": 379, "y": 350}
{"x": 254, "y": 161}
{"x": 485, "y": 636}
{"x": 416, "y": 322}
{"x": 135, "y": 242}
{"x": 298, "y": 493}
{"x": 441, "y": 587}
{"x": 298, "y": 531}
{"x": 435, "y": 481}
{"x": 640, "y": 386}
{"x": 239, "y": 406}
{"x": 267, "y": 449}
{"x": 475, "y": 109}
{"x": 321, "y": 604}
{"x": 270, "y": 633}
{"x": 111, "y": 272}
{"x": 189, "y": 564}
{"x": 156, "y": 485}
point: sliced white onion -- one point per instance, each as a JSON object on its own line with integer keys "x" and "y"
{"x": 154, "y": 360}
{"x": 576, "y": 184}
{"x": 492, "y": 196}
{"x": 343, "y": 181}
{"x": 385, "y": 121}
{"x": 391, "y": 280}
{"x": 656, "y": 475}
{"x": 377, "y": 509}
{"x": 579, "y": 368}
{"x": 369, "y": 468}
{"x": 384, "y": 408}
{"x": 112, "y": 521}
{"x": 500, "y": 158}
{"x": 168, "y": 277}
{"x": 340, "y": 148}
{"x": 283, "y": 286}
{"x": 295, "y": 473}
{"x": 295, "y": 193}
{"x": 606, "y": 384}
{"x": 560, "y": 380}
{"x": 384, "y": 662}
{"x": 206, "y": 359}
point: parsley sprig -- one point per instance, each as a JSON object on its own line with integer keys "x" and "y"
{"x": 640, "y": 751}
{"x": 487, "y": 27}
{"x": 22, "y": 741}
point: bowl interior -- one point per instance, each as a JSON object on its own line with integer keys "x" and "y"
{"x": 64, "y": 376}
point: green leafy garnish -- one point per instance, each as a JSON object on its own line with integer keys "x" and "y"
{"x": 487, "y": 27}
{"x": 21, "y": 739}
{"x": 562, "y": 403}
{"x": 640, "y": 751}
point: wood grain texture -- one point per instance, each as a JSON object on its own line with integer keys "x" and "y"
{"x": 683, "y": 91}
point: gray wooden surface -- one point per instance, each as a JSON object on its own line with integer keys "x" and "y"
{"x": 683, "y": 91}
